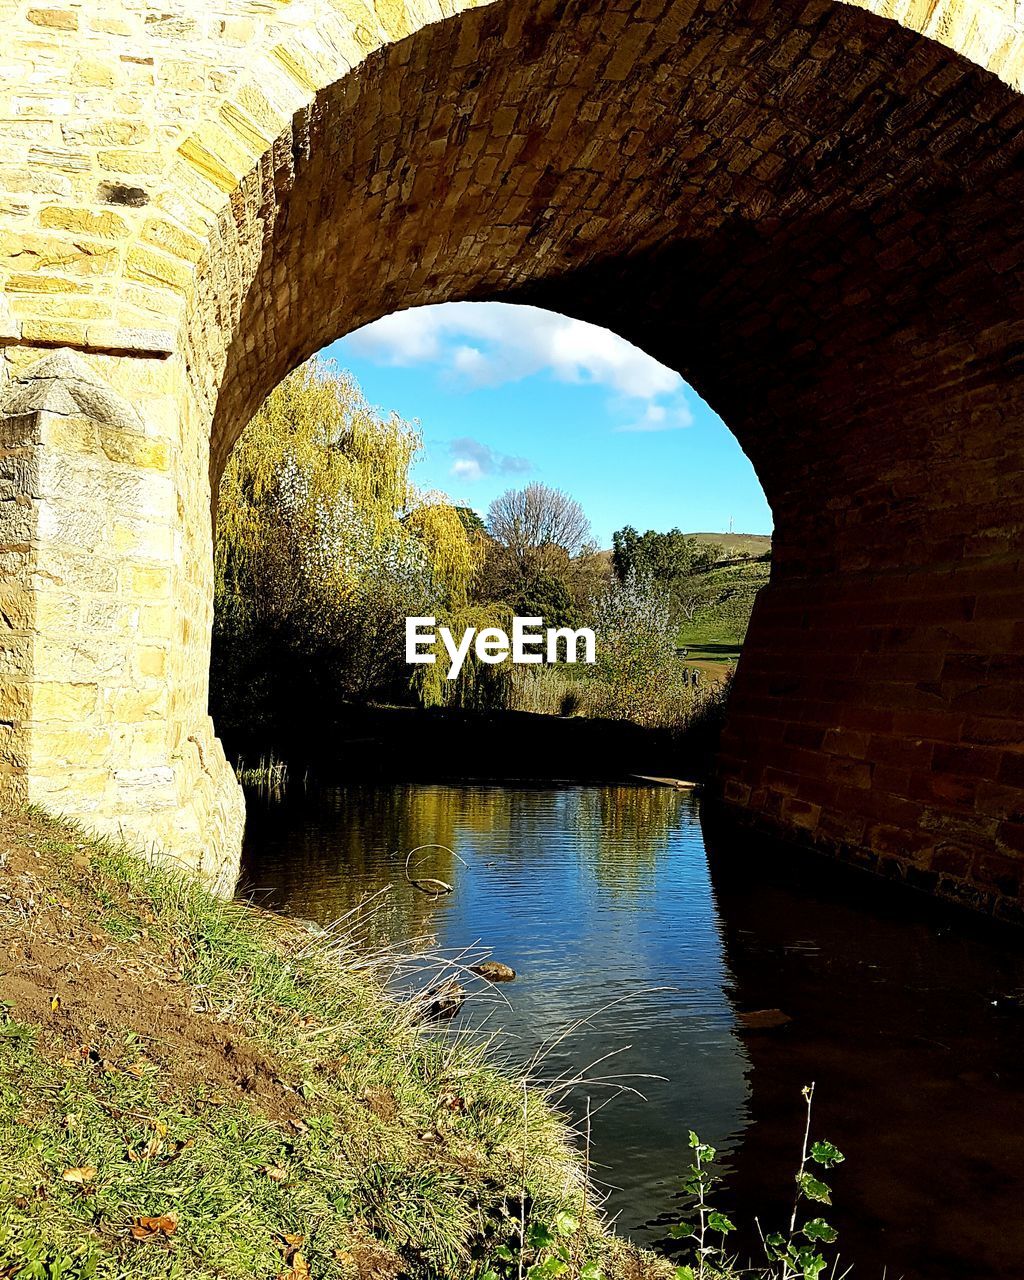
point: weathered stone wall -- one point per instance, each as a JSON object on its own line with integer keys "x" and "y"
{"x": 110, "y": 612}
{"x": 812, "y": 210}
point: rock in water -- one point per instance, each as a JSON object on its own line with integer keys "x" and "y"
{"x": 494, "y": 971}
{"x": 763, "y": 1019}
{"x": 439, "y": 1003}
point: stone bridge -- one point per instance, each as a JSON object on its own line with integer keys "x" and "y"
{"x": 813, "y": 210}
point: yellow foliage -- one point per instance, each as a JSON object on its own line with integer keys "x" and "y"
{"x": 479, "y": 686}
{"x": 454, "y": 560}
{"x": 317, "y": 483}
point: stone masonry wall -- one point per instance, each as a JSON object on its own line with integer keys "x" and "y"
{"x": 812, "y": 209}
{"x": 114, "y": 609}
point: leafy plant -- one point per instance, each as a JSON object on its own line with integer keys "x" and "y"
{"x": 797, "y": 1251}
{"x": 794, "y": 1254}
{"x": 710, "y": 1224}
{"x": 544, "y": 1253}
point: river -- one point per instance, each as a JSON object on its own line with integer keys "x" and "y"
{"x": 670, "y": 969}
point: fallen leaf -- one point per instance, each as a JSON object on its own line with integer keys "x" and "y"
{"x": 290, "y": 1246}
{"x": 153, "y": 1147}
{"x": 275, "y": 1173}
{"x": 55, "y": 1004}
{"x": 299, "y": 1269}
{"x": 154, "y": 1228}
{"x": 81, "y": 1175}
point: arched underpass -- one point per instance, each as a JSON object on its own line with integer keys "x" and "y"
{"x": 812, "y": 212}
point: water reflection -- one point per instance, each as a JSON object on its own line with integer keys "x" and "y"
{"x": 598, "y": 896}
{"x": 920, "y": 1072}
{"x": 602, "y": 899}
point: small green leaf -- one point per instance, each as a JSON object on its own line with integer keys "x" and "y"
{"x": 813, "y": 1189}
{"x": 539, "y": 1237}
{"x": 547, "y": 1270}
{"x": 811, "y": 1263}
{"x": 705, "y": 1154}
{"x": 684, "y": 1273}
{"x": 564, "y": 1224}
{"x": 776, "y": 1245}
{"x": 827, "y": 1154}
{"x": 681, "y": 1231}
{"x": 504, "y": 1253}
{"x": 720, "y": 1223}
{"x": 819, "y": 1229}
{"x": 591, "y": 1271}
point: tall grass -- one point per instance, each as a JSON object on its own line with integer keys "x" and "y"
{"x": 270, "y": 775}
{"x": 410, "y": 1144}
{"x": 668, "y": 701}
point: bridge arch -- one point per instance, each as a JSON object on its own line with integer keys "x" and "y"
{"x": 812, "y": 210}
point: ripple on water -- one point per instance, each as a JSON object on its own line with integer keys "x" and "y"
{"x": 603, "y": 901}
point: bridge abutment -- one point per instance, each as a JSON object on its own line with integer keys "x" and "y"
{"x": 106, "y": 590}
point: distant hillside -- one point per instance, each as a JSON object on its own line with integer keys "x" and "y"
{"x": 755, "y": 544}
{"x": 714, "y": 635}
{"x": 716, "y": 632}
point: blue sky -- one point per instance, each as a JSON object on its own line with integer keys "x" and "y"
{"x": 505, "y": 395}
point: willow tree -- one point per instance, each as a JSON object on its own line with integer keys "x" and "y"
{"x": 324, "y": 546}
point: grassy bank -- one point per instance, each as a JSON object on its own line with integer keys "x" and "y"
{"x": 195, "y": 1088}
{"x": 715, "y": 636}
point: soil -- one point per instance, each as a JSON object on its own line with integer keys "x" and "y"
{"x": 87, "y": 989}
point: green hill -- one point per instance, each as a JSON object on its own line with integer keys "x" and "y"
{"x": 727, "y": 595}
{"x": 754, "y": 544}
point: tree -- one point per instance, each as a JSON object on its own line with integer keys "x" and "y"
{"x": 677, "y": 563}
{"x": 535, "y": 523}
{"x": 637, "y": 670}
{"x": 323, "y": 548}
{"x": 665, "y": 557}
{"x": 471, "y": 522}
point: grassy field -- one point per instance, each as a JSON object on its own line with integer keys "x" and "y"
{"x": 736, "y": 544}
{"x": 193, "y": 1088}
{"x": 714, "y": 639}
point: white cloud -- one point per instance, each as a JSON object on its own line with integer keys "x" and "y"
{"x": 474, "y": 460}
{"x": 662, "y": 417}
{"x": 467, "y": 469}
{"x": 488, "y": 344}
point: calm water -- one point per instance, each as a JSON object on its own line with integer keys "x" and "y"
{"x": 605, "y": 901}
